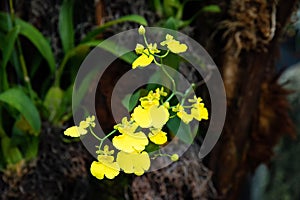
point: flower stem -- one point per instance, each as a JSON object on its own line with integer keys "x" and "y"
{"x": 102, "y": 139}
{"x": 94, "y": 134}
{"x": 187, "y": 93}
{"x": 21, "y": 56}
{"x": 162, "y": 55}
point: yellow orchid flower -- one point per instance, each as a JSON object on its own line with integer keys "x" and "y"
{"x": 174, "y": 45}
{"x": 75, "y": 131}
{"x": 135, "y": 162}
{"x": 126, "y": 127}
{"x": 150, "y": 100}
{"x": 158, "y": 136}
{"x": 147, "y": 55}
{"x": 144, "y": 60}
{"x": 184, "y": 116}
{"x": 105, "y": 167}
{"x": 130, "y": 142}
{"x": 154, "y": 116}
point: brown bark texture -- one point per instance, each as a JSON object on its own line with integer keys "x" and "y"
{"x": 257, "y": 109}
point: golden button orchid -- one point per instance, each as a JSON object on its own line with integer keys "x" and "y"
{"x": 130, "y": 141}
{"x": 105, "y": 166}
{"x": 154, "y": 116}
{"x": 147, "y": 55}
{"x": 77, "y": 131}
{"x": 174, "y": 45}
{"x": 158, "y": 136}
{"x": 198, "y": 110}
{"x": 184, "y": 116}
{"x": 134, "y": 162}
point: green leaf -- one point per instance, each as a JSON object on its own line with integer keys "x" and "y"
{"x": 158, "y": 7}
{"x": 129, "y": 18}
{"x": 181, "y": 130}
{"x": 8, "y": 45}
{"x": 130, "y": 101}
{"x": 171, "y": 23}
{"x": 211, "y": 8}
{"x": 11, "y": 153}
{"x": 38, "y": 40}
{"x": 83, "y": 88}
{"x": 53, "y": 101}
{"x": 111, "y": 47}
{"x": 65, "y": 25}
{"x": 16, "y": 98}
{"x": 4, "y": 21}
{"x": 32, "y": 148}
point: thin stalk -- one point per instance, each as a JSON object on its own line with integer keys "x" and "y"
{"x": 60, "y": 70}
{"x": 102, "y": 140}
{"x": 21, "y": 55}
{"x": 187, "y": 93}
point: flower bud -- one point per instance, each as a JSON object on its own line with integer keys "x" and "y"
{"x": 142, "y": 30}
{"x": 174, "y": 157}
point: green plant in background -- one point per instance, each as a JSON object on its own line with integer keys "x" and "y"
{"x": 22, "y": 108}
{"x": 132, "y": 137}
{"x": 171, "y": 13}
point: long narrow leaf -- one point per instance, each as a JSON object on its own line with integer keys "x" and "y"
{"x": 16, "y": 98}
{"x": 4, "y": 26}
{"x": 38, "y": 40}
{"x": 8, "y": 47}
{"x": 11, "y": 153}
{"x": 130, "y": 18}
{"x": 65, "y": 25}
{"x": 9, "y": 43}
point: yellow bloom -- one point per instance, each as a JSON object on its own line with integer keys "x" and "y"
{"x": 130, "y": 142}
{"x": 159, "y": 115}
{"x": 125, "y": 126}
{"x": 154, "y": 116}
{"x": 158, "y": 136}
{"x": 135, "y": 162}
{"x": 184, "y": 116}
{"x": 144, "y": 60}
{"x": 166, "y": 105}
{"x": 174, "y": 45}
{"x": 161, "y": 91}
{"x": 89, "y": 121}
{"x": 106, "y": 151}
{"x": 147, "y": 55}
{"x": 75, "y": 131}
{"x": 150, "y": 100}
{"x": 198, "y": 110}
{"x": 105, "y": 167}
{"x": 139, "y": 48}
{"x": 142, "y": 117}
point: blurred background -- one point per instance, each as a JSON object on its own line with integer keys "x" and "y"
{"x": 256, "y": 46}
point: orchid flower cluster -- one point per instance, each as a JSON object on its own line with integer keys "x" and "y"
{"x": 131, "y": 136}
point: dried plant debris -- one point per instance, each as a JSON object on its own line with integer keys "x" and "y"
{"x": 187, "y": 178}
{"x": 59, "y": 172}
{"x": 251, "y": 25}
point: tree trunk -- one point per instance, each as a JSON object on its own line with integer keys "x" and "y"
{"x": 257, "y": 114}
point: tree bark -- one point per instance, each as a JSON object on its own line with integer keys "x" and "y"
{"x": 257, "y": 108}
